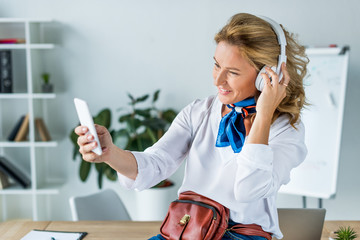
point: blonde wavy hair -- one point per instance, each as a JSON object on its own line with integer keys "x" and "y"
{"x": 259, "y": 45}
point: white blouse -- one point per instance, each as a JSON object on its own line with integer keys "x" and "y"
{"x": 247, "y": 182}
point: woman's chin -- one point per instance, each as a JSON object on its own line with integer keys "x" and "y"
{"x": 225, "y": 99}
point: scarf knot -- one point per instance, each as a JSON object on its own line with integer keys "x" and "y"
{"x": 232, "y": 131}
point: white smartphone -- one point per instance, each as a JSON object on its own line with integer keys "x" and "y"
{"x": 86, "y": 119}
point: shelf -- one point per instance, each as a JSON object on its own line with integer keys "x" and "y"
{"x": 43, "y": 95}
{"x": 46, "y": 144}
{"x": 27, "y": 95}
{"x": 14, "y": 95}
{"x": 52, "y": 188}
{"x": 49, "y": 188}
{"x": 28, "y": 144}
{"x": 23, "y": 20}
{"x": 41, "y": 46}
{"x": 16, "y": 189}
{"x": 30, "y": 63}
{"x": 30, "y": 46}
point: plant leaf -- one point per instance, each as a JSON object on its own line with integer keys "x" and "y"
{"x": 100, "y": 177}
{"x": 142, "y": 99}
{"x": 151, "y": 135}
{"x": 121, "y": 133}
{"x": 99, "y": 166}
{"x": 139, "y": 143}
{"x": 169, "y": 115}
{"x": 76, "y": 152}
{"x": 112, "y": 134}
{"x": 103, "y": 118}
{"x": 84, "y": 170}
{"x": 156, "y": 96}
{"x": 155, "y": 123}
{"x": 345, "y": 233}
{"x": 125, "y": 118}
{"x": 131, "y": 98}
{"x": 74, "y": 136}
{"x": 100, "y": 169}
{"x": 144, "y": 140}
{"x": 146, "y": 113}
{"x": 131, "y": 145}
{"x": 133, "y": 124}
{"x": 110, "y": 173}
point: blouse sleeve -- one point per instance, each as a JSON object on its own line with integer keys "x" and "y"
{"x": 161, "y": 160}
{"x": 262, "y": 169}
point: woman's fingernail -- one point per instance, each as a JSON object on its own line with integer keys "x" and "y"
{"x": 83, "y": 129}
{"x": 89, "y": 137}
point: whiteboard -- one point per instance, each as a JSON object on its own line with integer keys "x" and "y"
{"x": 325, "y": 87}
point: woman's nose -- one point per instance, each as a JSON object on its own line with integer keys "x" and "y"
{"x": 220, "y": 78}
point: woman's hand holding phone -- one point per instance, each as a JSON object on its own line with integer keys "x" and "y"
{"x": 87, "y": 144}
{"x": 89, "y": 139}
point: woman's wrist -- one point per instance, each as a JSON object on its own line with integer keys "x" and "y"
{"x": 259, "y": 132}
{"x": 263, "y": 117}
{"x": 122, "y": 161}
{"x": 110, "y": 154}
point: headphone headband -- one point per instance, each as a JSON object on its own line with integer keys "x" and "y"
{"x": 259, "y": 82}
{"x": 277, "y": 29}
{"x": 281, "y": 40}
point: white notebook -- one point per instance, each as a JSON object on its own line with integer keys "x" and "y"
{"x": 53, "y": 235}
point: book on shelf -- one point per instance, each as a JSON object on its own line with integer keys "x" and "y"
{"x": 23, "y": 130}
{"x": 14, "y": 172}
{"x": 16, "y": 128}
{"x": 4, "y": 180}
{"x": 6, "y": 76}
{"x": 11, "y": 40}
{"x": 42, "y": 129}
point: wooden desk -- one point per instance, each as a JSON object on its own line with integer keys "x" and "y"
{"x": 106, "y": 230}
{"x": 99, "y": 230}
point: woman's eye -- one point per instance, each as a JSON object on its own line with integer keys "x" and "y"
{"x": 234, "y": 73}
{"x": 217, "y": 65}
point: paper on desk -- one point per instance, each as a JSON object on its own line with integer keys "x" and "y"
{"x": 51, "y": 235}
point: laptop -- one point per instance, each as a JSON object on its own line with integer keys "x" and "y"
{"x": 301, "y": 223}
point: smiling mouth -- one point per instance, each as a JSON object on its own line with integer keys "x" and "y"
{"x": 224, "y": 90}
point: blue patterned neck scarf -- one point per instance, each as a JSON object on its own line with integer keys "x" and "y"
{"x": 232, "y": 130}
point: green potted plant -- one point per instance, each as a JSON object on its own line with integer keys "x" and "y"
{"x": 142, "y": 127}
{"x": 345, "y": 233}
{"x": 46, "y": 86}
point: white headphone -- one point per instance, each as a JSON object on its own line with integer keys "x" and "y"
{"x": 259, "y": 82}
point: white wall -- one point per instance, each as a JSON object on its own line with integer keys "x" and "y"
{"x": 109, "y": 48}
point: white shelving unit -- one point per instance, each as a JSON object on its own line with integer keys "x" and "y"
{"x": 26, "y": 98}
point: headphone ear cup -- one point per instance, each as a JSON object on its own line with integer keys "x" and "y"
{"x": 259, "y": 82}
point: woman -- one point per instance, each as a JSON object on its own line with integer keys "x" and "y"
{"x": 236, "y": 156}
